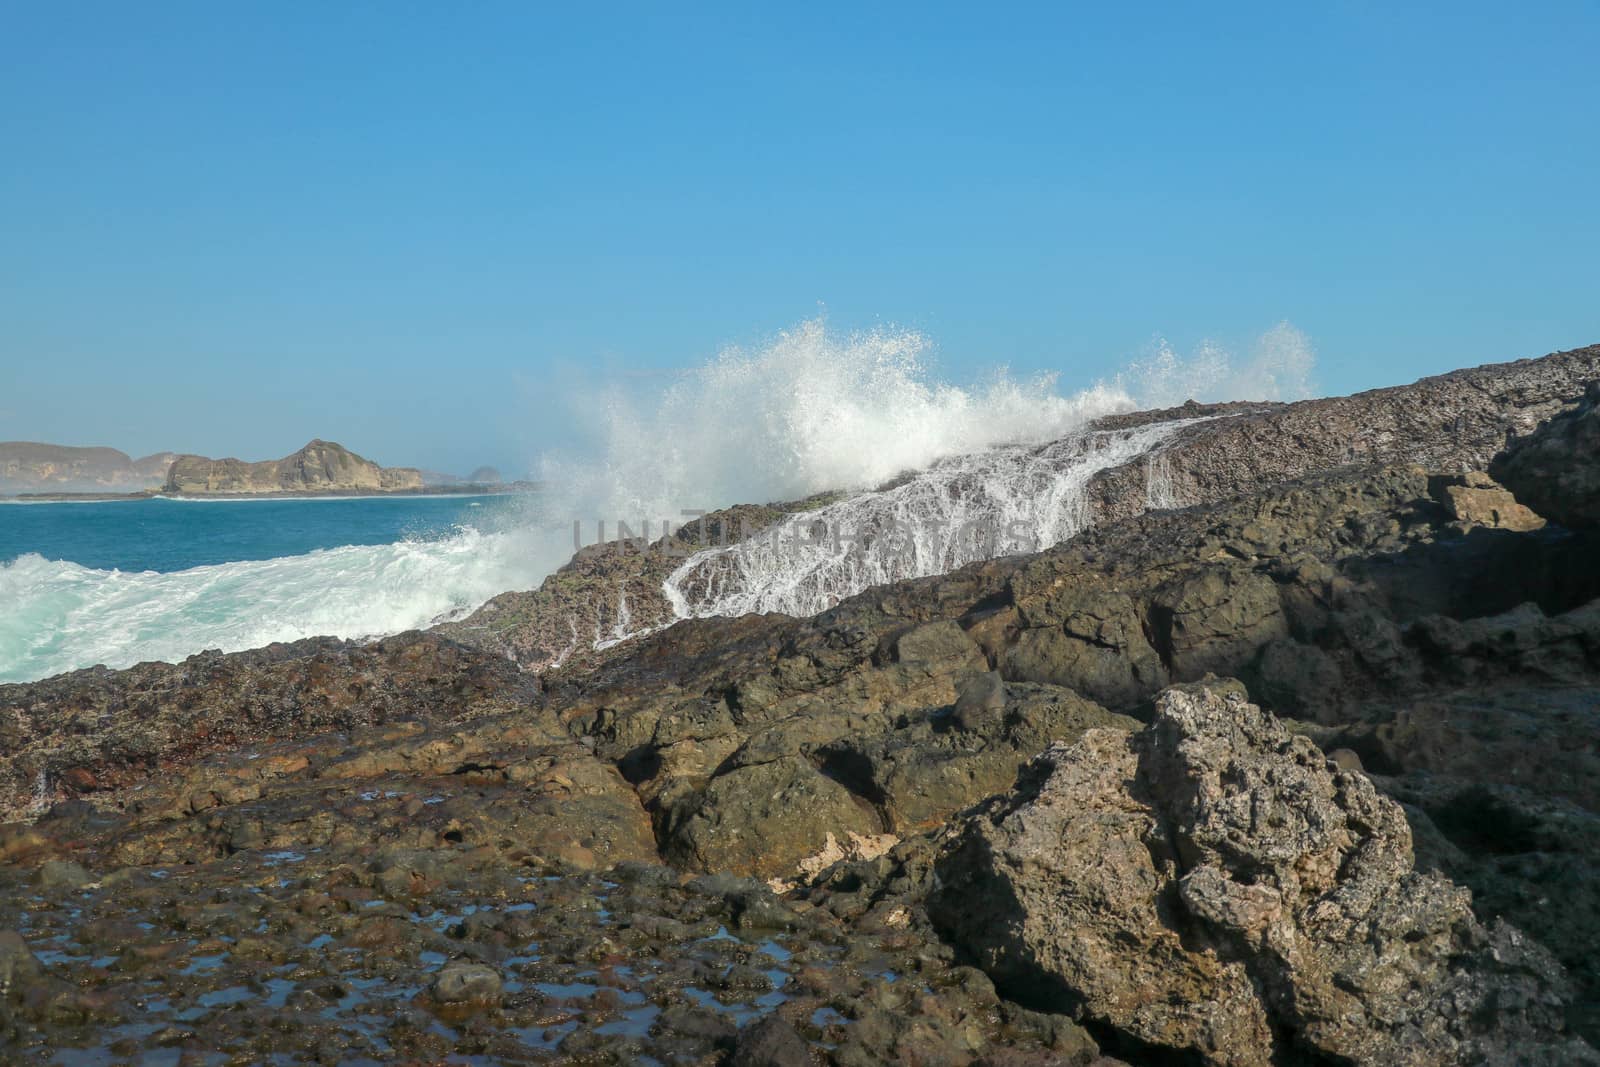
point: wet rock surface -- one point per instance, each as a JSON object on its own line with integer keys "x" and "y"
{"x": 714, "y": 841}
{"x": 831, "y": 755}
{"x": 275, "y": 956}
{"x": 96, "y": 731}
{"x": 608, "y": 591}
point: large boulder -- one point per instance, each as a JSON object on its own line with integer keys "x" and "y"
{"x": 1085, "y": 635}
{"x": 1217, "y": 887}
{"x": 765, "y": 819}
{"x": 1556, "y": 469}
{"x": 934, "y": 765}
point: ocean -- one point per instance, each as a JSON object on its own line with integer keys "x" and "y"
{"x": 120, "y": 582}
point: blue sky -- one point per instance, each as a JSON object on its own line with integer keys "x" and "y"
{"x": 230, "y": 227}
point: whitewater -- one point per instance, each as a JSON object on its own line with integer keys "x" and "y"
{"x": 862, "y": 415}
{"x": 61, "y": 616}
{"x": 1003, "y": 501}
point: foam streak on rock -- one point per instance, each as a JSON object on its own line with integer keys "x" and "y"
{"x": 999, "y": 502}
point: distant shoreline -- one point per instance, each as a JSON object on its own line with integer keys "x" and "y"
{"x": 509, "y": 489}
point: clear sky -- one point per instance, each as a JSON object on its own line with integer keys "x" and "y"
{"x": 229, "y": 227}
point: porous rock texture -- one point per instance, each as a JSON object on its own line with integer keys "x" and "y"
{"x": 1214, "y": 884}
{"x": 607, "y": 591}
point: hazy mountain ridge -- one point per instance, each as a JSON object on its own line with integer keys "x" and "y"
{"x": 480, "y": 476}
{"x": 33, "y": 466}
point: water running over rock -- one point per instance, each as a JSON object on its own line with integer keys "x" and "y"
{"x": 998, "y": 502}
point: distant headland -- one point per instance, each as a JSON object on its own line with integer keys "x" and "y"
{"x": 321, "y": 466}
{"x": 36, "y": 471}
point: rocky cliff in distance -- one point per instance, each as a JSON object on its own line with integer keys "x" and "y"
{"x": 33, "y": 467}
{"x": 485, "y": 476}
{"x": 319, "y": 467}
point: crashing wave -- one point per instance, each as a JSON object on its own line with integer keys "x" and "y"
{"x": 61, "y": 616}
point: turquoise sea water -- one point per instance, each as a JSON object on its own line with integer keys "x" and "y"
{"x": 119, "y": 582}
{"x": 172, "y": 535}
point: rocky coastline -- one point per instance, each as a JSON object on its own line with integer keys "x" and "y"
{"x": 1296, "y": 764}
{"x": 32, "y": 466}
{"x": 31, "y": 472}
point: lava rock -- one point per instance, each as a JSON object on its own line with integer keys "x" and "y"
{"x": 1217, "y": 886}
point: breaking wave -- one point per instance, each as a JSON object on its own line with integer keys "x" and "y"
{"x": 61, "y": 616}
{"x": 983, "y": 487}
{"x": 810, "y": 411}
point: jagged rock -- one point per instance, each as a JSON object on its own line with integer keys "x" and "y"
{"x": 1322, "y": 595}
{"x": 606, "y": 590}
{"x": 1215, "y": 617}
{"x": 1217, "y": 886}
{"x": 1453, "y": 422}
{"x": 1524, "y": 641}
{"x": 981, "y": 701}
{"x": 1502, "y": 783}
{"x": 1209, "y": 886}
{"x": 1295, "y": 678}
{"x": 1556, "y": 469}
{"x": 1450, "y": 423}
{"x": 934, "y": 765}
{"x": 1083, "y": 636}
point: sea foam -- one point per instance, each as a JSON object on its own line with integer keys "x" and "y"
{"x": 61, "y": 616}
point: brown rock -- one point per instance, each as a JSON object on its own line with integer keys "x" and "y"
{"x": 1478, "y": 500}
{"x": 770, "y": 1042}
{"x": 1213, "y": 885}
{"x": 765, "y": 819}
